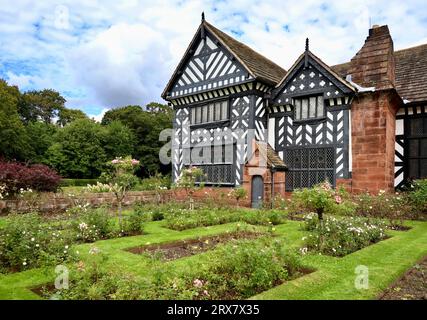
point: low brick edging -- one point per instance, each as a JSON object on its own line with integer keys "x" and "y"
{"x": 60, "y": 202}
{"x": 52, "y": 202}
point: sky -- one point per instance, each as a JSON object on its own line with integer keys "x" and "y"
{"x": 105, "y": 54}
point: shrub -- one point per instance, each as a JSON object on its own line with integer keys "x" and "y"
{"x": 157, "y": 182}
{"x": 157, "y": 215}
{"x": 238, "y": 194}
{"x": 90, "y": 281}
{"x": 77, "y": 182}
{"x": 26, "y": 242}
{"x": 319, "y": 199}
{"x": 188, "y": 180}
{"x": 338, "y": 237}
{"x": 3, "y": 192}
{"x": 16, "y": 176}
{"x": 98, "y": 188}
{"x": 133, "y": 224}
{"x": 92, "y": 225}
{"x": 392, "y": 207}
{"x": 418, "y": 196}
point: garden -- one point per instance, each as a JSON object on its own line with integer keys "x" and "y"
{"x": 320, "y": 243}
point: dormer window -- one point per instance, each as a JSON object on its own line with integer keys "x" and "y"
{"x": 309, "y": 108}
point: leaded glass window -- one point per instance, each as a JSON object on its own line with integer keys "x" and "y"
{"x": 215, "y": 111}
{"x": 308, "y": 108}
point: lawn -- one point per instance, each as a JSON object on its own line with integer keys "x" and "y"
{"x": 333, "y": 277}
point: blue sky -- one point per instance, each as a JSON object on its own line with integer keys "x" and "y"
{"x": 104, "y": 54}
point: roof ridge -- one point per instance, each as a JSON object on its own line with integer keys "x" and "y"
{"x": 410, "y": 48}
{"x": 242, "y": 43}
{"x": 269, "y": 71}
{"x": 395, "y": 51}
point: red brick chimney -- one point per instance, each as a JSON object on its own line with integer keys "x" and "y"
{"x": 373, "y": 113}
{"x": 374, "y": 65}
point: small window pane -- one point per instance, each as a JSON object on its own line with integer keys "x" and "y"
{"x": 413, "y": 168}
{"x": 224, "y": 111}
{"x": 423, "y": 147}
{"x": 297, "y": 109}
{"x": 413, "y": 147}
{"x": 205, "y": 114}
{"x": 423, "y": 168}
{"x": 198, "y": 114}
{"x": 193, "y": 115}
{"x": 211, "y": 113}
{"x": 417, "y": 126}
{"x": 217, "y": 111}
{"x": 304, "y": 109}
{"x": 312, "y": 108}
{"x": 320, "y": 107}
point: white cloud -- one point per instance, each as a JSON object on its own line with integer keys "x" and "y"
{"x": 118, "y": 53}
{"x": 98, "y": 117}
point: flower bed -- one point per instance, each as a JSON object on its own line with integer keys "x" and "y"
{"x": 26, "y": 242}
{"x": 339, "y": 237}
{"x": 237, "y": 270}
{"x": 184, "y": 248}
{"x": 29, "y": 241}
{"x": 188, "y": 219}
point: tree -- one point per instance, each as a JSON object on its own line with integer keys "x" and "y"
{"x": 14, "y": 141}
{"x": 146, "y": 126}
{"x": 78, "y": 150}
{"x": 42, "y": 137}
{"x": 126, "y": 115}
{"x": 188, "y": 182}
{"x": 41, "y": 105}
{"x": 122, "y": 179}
{"x": 118, "y": 140}
{"x": 66, "y": 115}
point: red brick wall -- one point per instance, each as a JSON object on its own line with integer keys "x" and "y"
{"x": 215, "y": 194}
{"x": 51, "y": 202}
{"x": 346, "y": 183}
{"x": 373, "y": 140}
{"x": 374, "y": 64}
{"x": 279, "y": 181}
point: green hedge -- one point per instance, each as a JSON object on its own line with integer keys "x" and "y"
{"x": 77, "y": 182}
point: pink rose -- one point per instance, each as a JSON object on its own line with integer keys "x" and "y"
{"x": 338, "y": 199}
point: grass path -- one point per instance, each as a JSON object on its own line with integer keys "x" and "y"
{"x": 386, "y": 261}
{"x": 334, "y": 278}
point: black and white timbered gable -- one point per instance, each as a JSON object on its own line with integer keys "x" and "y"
{"x": 209, "y": 67}
{"x": 218, "y": 94}
{"x": 309, "y": 123}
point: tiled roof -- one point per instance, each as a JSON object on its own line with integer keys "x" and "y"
{"x": 261, "y": 67}
{"x": 269, "y": 154}
{"x": 411, "y": 72}
{"x": 273, "y": 159}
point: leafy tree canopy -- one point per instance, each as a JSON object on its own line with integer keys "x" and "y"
{"x": 14, "y": 141}
{"x": 41, "y": 105}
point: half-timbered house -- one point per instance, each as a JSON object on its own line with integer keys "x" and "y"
{"x": 360, "y": 124}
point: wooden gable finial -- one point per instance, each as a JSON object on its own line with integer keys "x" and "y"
{"x": 202, "y": 28}
{"x": 306, "y": 53}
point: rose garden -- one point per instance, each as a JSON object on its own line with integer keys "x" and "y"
{"x": 189, "y": 241}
